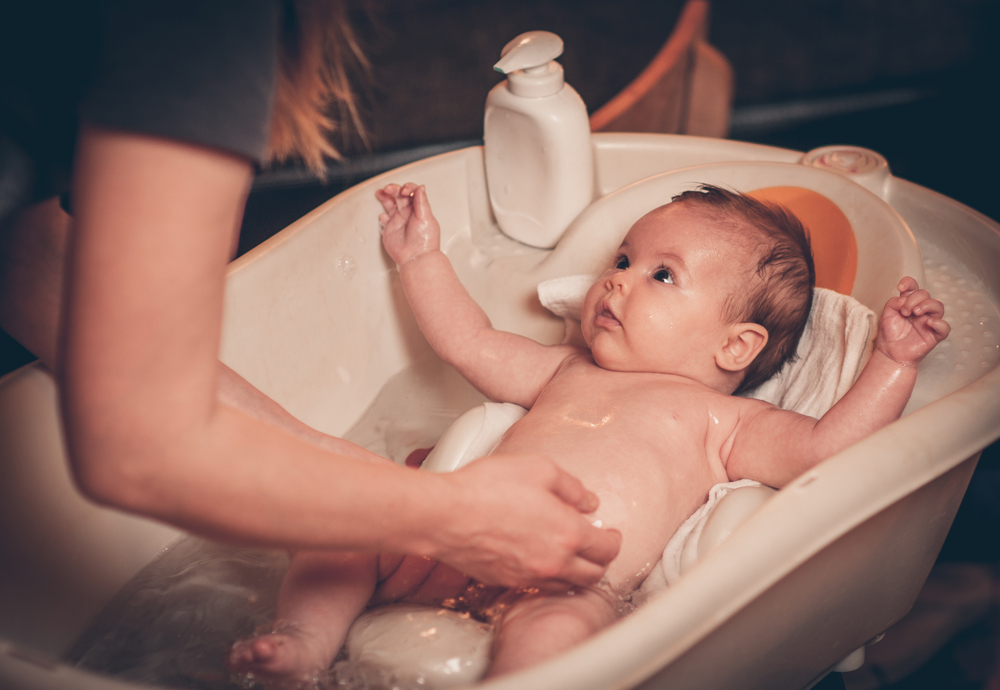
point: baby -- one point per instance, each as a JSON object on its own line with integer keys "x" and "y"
{"x": 707, "y": 296}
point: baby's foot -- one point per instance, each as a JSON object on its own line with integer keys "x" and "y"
{"x": 283, "y": 658}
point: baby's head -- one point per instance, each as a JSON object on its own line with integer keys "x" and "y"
{"x": 776, "y": 290}
{"x": 719, "y": 290}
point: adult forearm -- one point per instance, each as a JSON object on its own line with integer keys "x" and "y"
{"x": 32, "y": 270}
{"x": 237, "y": 479}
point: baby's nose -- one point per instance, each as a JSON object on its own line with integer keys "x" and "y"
{"x": 619, "y": 281}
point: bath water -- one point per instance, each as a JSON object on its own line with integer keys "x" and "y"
{"x": 173, "y": 624}
{"x": 413, "y": 409}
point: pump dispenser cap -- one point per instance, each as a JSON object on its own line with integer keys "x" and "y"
{"x": 529, "y": 62}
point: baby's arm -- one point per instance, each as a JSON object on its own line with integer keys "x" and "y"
{"x": 774, "y": 446}
{"x": 501, "y": 365}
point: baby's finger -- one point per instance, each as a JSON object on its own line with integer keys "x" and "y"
{"x": 421, "y": 207}
{"x": 894, "y": 304}
{"x": 408, "y": 189}
{"x": 930, "y": 307}
{"x": 387, "y": 200}
{"x": 403, "y": 203}
{"x": 912, "y": 300}
{"x": 907, "y": 284}
{"x": 940, "y": 327}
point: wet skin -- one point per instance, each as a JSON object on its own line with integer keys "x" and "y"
{"x": 643, "y": 415}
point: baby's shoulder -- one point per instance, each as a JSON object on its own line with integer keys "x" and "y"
{"x": 745, "y": 406}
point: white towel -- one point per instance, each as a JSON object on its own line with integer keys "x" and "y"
{"x": 834, "y": 346}
{"x": 681, "y": 552}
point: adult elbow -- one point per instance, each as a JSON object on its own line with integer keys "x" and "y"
{"x": 116, "y": 467}
{"x": 112, "y": 481}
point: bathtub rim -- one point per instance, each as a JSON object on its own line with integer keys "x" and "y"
{"x": 969, "y": 397}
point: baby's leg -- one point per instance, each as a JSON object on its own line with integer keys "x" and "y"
{"x": 539, "y": 627}
{"x": 321, "y": 595}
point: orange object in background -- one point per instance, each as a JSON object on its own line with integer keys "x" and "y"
{"x": 834, "y": 247}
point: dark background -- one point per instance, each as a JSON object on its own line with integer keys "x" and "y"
{"x": 915, "y": 80}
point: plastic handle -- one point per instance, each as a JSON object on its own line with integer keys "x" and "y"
{"x": 529, "y": 50}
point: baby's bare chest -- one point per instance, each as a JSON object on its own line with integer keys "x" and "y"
{"x": 614, "y": 410}
{"x": 644, "y": 432}
{"x": 648, "y": 447}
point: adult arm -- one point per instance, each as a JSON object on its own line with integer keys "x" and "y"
{"x": 155, "y": 224}
{"x": 32, "y": 264}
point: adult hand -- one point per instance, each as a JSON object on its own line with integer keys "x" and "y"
{"x": 520, "y": 521}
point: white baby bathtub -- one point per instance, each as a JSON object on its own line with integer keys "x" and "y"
{"x": 315, "y": 318}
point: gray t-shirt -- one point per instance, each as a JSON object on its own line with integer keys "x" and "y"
{"x": 201, "y": 71}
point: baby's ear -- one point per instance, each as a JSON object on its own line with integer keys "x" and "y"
{"x": 744, "y": 343}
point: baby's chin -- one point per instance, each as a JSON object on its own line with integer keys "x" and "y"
{"x": 611, "y": 362}
{"x": 625, "y": 365}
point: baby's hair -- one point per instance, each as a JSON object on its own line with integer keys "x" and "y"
{"x": 780, "y": 297}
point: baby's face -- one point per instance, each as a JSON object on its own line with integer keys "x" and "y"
{"x": 658, "y": 308}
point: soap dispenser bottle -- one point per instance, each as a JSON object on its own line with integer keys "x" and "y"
{"x": 539, "y": 160}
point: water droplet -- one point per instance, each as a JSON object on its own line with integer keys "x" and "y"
{"x": 347, "y": 266}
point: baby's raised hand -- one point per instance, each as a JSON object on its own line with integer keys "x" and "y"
{"x": 409, "y": 229}
{"x": 911, "y": 325}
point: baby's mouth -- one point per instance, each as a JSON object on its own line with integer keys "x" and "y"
{"x": 605, "y": 317}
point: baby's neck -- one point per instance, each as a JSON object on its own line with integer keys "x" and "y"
{"x": 719, "y": 380}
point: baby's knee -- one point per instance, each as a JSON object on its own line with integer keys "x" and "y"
{"x": 416, "y": 579}
{"x": 575, "y": 615}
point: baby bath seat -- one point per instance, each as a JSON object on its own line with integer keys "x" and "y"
{"x": 315, "y": 319}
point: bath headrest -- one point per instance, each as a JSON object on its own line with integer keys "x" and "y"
{"x": 835, "y": 251}
{"x": 886, "y": 249}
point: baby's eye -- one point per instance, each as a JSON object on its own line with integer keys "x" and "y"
{"x": 621, "y": 263}
{"x": 663, "y": 275}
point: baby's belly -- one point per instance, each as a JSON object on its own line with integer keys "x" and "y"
{"x": 646, "y": 492}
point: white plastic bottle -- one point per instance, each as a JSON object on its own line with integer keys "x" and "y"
{"x": 539, "y": 160}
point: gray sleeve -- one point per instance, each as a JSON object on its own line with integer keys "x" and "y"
{"x": 201, "y": 71}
